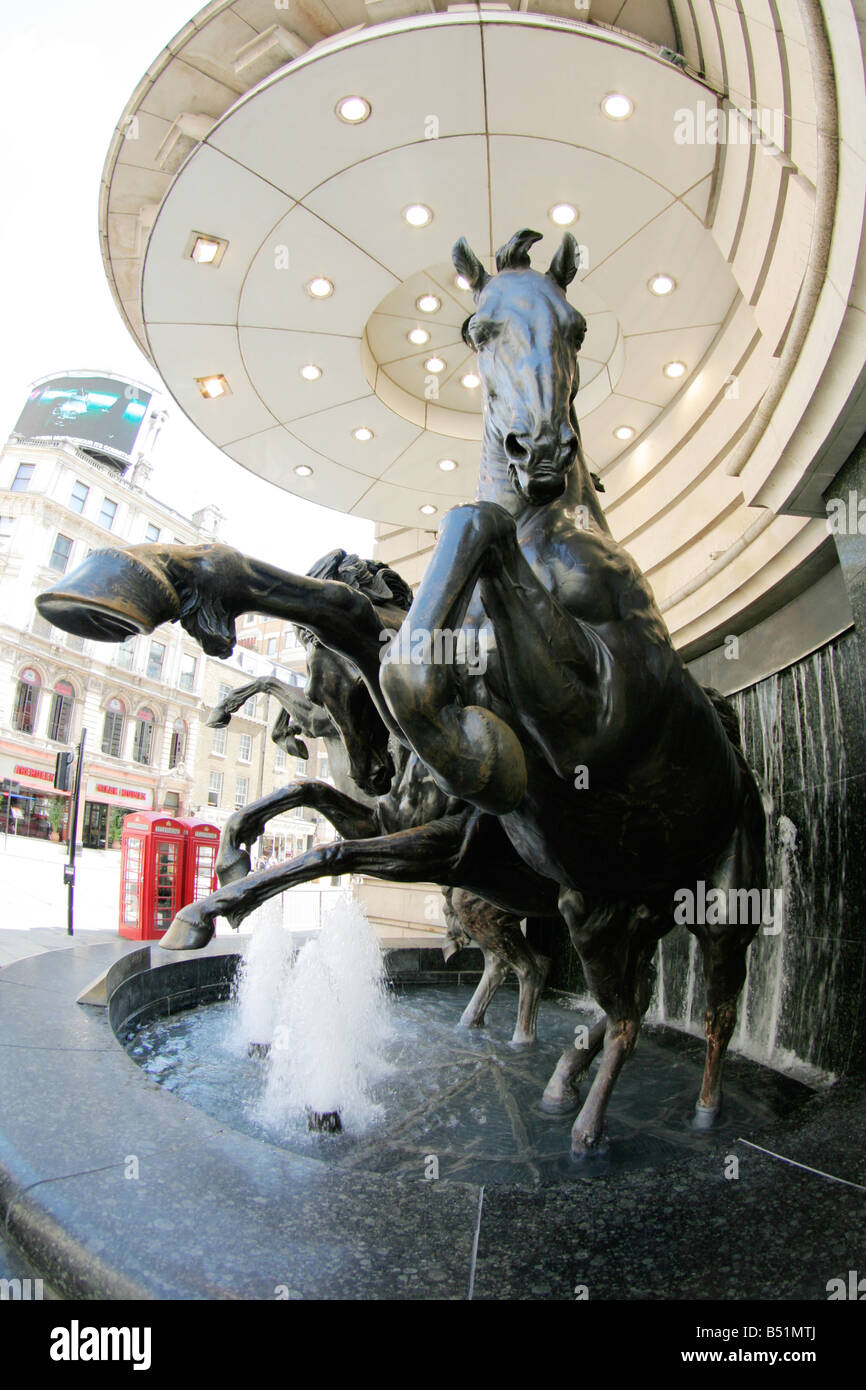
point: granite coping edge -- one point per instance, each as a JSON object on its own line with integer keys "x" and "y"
{"x": 61, "y": 1250}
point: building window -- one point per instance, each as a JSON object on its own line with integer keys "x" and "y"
{"x": 171, "y": 802}
{"x": 78, "y": 496}
{"x": 142, "y": 743}
{"x": 249, "y": 619}
{"x": 301, "y": 767}
{"x": 6, "y": 524}
{"x": 178, "y": 744}
{"x": 242, "y": 790}
{"x": 60, "y": 717}
{"x": 225, "y": 691}
{"x": 152, "y": 533}
{"x": 219, "y": 743}
{"x": 40, "y": 627}
{"x": 74, "y": 642}
{"x": 214, "y": 788}
{"x": 245, "y": 748}
{"x": 60, "y": 554}
{"x": 107, "y": 513}
{"x": 124, "y": 656}
{"x": 155, "y": 659}
{"x": 26, "y": 702}
{"x": 272, "y": 646}
{"x": 21, "y": 481}
{"x": 112, "y": 728}
{"x": 187, "y": 672}
{"x": 249, "y": 707}
{"x": 280, "y": 760}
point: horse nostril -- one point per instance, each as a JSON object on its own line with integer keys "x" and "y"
{"x": 514, "y": 449}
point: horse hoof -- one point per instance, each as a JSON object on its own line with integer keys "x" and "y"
{"x": 705, "y": 1117}
{"x": 559, "y": 1105}
{"x": 187, "y": 934}
{"x": 587, "y": 1146}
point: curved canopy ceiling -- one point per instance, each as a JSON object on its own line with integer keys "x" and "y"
{"x": 490, "y": 118}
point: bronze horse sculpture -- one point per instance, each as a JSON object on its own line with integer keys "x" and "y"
{"x": 585, "y": 747}
{"x": 365, "y": 804}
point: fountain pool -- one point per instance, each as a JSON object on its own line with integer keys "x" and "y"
{"x": 461, "y": 1104}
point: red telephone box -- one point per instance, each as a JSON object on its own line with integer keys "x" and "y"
{"x": 202, "y": 844}
{"x": 151, "y": 874}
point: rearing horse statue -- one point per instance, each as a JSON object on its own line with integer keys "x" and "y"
{"x": 614, "y": 776}
{"x": 609, "y": 767}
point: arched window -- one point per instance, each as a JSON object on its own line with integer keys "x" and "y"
{"x": 142, "y": 742}
{"x": 26, "y": 701}
{"x": 60, "y": 718}
{"x": 112, "y": 728}
{"x": 177, "y": 751}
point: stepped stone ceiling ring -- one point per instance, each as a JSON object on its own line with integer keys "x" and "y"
{"x": 478, "y": 122}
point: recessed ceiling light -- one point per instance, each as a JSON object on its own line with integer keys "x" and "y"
{"x": 662, "y": 284}
{"x": 617, "y": 106}
{"x": 206, "y": 250}
{"x": 462, "y": 283}
{"x": 563, "y": 214}
{"x": 470, "y": 381}
{"x": 213, "y": 386}
{"x": 353, "y": 110}
{"x": 362, "y": 434}
{"x": 418, "y": 215}
{"x": 675, "y": 370}
{"x": 310, "y": 372}
{"x": 428, "y": 303}
{"x": 624, "y": 432}
{"x": 304, "y": 470}
{"x": 319, "y": 287}
{"x": 435, "y": 364}
{"x": 447, "y": 465}
{"x": 428, "y": 509}
{"x": 418, "y": 336}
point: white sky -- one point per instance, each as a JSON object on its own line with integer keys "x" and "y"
{"x": 69, "y": 67}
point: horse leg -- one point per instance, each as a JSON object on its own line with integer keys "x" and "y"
{"x": 499, "y": 932}
{"x": 553, "y": 680}
{"x": 426, "y": 853}
{"x": 495, "y": 971}
{"x": 561, "y": 1092}
{"x": 616, "y": 946}
{"x": 350, "y": 818}
{"x": 724, "y": 947}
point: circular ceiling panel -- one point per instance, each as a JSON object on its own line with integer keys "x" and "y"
{"x": 367, "y": 213}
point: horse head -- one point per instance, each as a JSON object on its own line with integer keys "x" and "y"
{"x": 334, "y": 682}
{"x": 527, "y": 337}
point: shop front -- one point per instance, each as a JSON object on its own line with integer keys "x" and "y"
{"x": 29, "y": 805}
{"x": 106, "y": 806}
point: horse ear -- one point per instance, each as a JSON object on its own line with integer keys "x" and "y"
{"x": 563, "y": 267}
{"x": 514, "y": 255}
{"x": 467, "y": 263}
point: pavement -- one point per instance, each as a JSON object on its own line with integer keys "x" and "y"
{"x": 33, "y": 899}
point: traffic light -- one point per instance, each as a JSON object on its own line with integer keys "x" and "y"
{"x": 63, "y": 771}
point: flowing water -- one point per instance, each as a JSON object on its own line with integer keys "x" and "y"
{"x": 793, "y": 735}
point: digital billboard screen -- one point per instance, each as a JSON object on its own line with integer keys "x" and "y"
{"x": 97, "y": 410}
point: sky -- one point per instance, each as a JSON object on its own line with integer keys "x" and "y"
{"x": 68, "y": 71}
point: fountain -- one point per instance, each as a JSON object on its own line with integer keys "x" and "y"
{"x": 321, "y": 1017}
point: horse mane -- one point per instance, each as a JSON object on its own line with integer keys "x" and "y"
{"x": 378, "y": 581}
